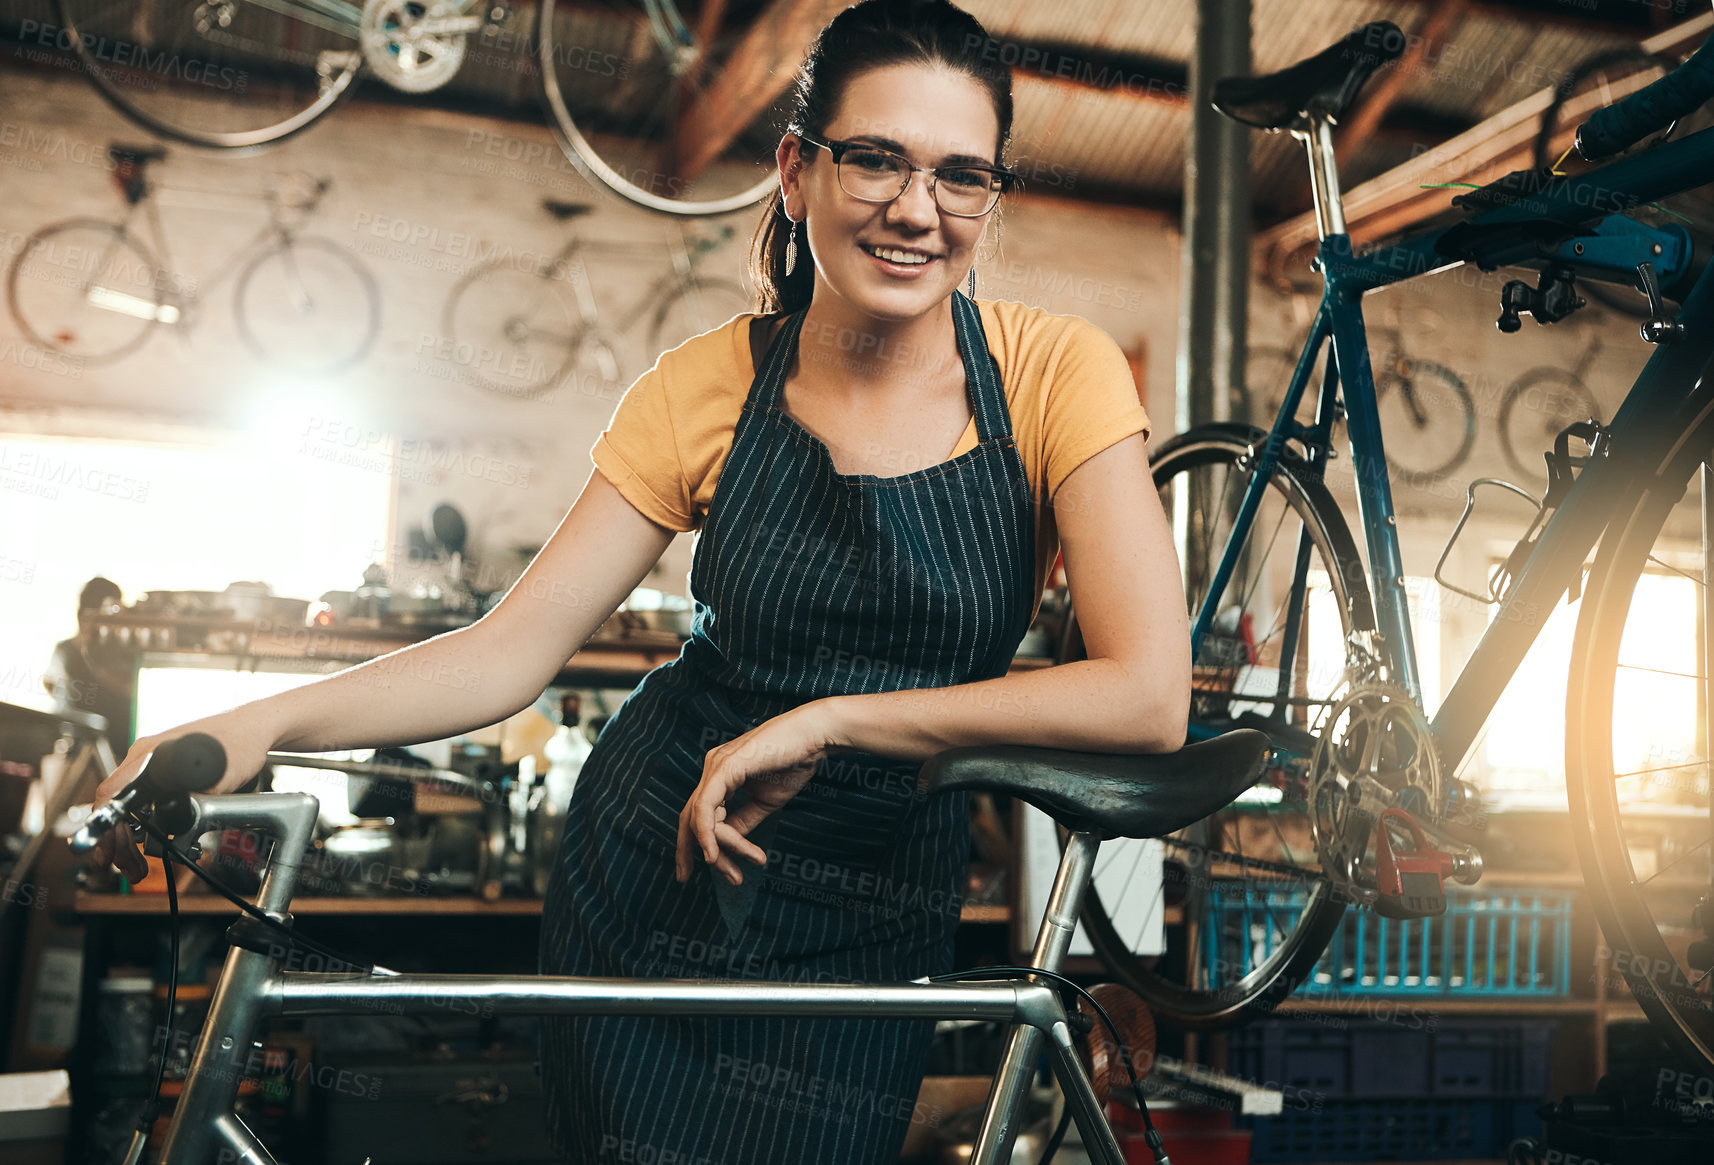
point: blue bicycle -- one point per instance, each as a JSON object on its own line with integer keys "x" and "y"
{"x": 1299, "y": 634}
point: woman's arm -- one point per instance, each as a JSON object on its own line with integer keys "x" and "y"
{"x": 1133, "y": 692}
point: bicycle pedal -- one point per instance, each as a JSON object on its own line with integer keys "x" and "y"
{"x": 1409, "y": 883}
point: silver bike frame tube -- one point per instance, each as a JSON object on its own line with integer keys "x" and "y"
{"x": 203, "y": 1120}
{"x": 1323, "y": 176}
{"x": 1000, "y": 1120}
{"x": 250, "y": 991}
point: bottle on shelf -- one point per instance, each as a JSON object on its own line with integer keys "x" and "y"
{"x": 566, "y": 753}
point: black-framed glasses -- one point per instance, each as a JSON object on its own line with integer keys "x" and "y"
{"x": 875, "y": 175}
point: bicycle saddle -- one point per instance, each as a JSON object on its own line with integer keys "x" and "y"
{"x": 1109, "y": 794}
{"x": 1326, "y": 83}
{"x": 565, "y": 210}
{"x": 135, "y": 155}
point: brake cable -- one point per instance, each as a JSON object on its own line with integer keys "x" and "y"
{"x": 1150, "y": 1136}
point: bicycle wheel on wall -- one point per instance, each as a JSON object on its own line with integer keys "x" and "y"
{"x": 519, "y": 331}
{"x": 1536, "y": 406}
{"x": 1248, "y": 908}
{"x": 698, "y": 306}
{"x": 678, "y": 108}
{"x": 308, "y": 306}
{"x": 1637, "y": 746}
{"x": 86, "y": 289}
{"x": 231, "y": 74}
{"x": 1427, "y": 418}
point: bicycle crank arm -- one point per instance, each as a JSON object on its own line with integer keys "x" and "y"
{"x": 1466, "y": 858}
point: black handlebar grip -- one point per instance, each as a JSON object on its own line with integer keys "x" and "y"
{"x": 187, "y": 764}
{"x": 1651, "y": 108}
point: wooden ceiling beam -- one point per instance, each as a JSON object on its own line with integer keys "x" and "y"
{"x": 758, "y": 71}
{"x": 1372, "y": 107}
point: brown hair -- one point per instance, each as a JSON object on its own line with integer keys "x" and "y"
{"x": 870, "y": 35}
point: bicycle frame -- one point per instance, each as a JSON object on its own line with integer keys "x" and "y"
{"x": 204, "y": 1127}
{"x": 173, "y": 296}
{"x": 1496, "y": 238}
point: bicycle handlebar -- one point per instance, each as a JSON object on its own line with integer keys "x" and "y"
{"x": 186, "y": 764}
{"x": 1653, "y": 107}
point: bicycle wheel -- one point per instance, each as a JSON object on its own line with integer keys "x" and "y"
{"x": 650, "y": 108}
{"x": 85, "y": 288}
{"x": 1535, "y": 407}
{"x": 1253, "y": 911}
{"x": 308, "y": 306}
{"x": 698, "y": 306}
{"x": 1427, "y": 418}
{"x": 515, "y": 330}
{"x": 1637, "y": 749}
{"x": 231, "y": 74}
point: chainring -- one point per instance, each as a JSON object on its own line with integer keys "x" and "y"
{"x": 403, "y": 47}
{"x": 1376, "y": 750}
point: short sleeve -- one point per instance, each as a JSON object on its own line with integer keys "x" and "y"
{"x": 638, "y": 452}
{"x": 1091, "y": 401}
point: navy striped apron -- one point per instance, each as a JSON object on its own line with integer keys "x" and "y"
{"x": 806, "y": 583}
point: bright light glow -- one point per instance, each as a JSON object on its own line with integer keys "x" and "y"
{"x": 170, "y": 696}
{"x": 1327, "y": 648}
{"x": 171, "y": 517}
{"x": 1657, "y": 699}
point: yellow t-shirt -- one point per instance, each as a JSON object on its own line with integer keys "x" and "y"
{"x": 1068, "y": 389}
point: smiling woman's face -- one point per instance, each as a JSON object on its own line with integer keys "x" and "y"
{"x": 929, "y": 115}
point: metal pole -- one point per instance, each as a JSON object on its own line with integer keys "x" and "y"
{"x": 1215, "y": 260}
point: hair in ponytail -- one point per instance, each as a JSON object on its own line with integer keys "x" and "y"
{"x": 870, "y": 35}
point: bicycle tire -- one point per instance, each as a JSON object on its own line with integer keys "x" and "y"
{"x": 1258, "y": 988}
{"x": 158, "y": 68}
{"x": 695, "y": 307}
{"x": 1642, "y": 918}
{"x": 1451, "y": 385}
{"x": 349, "y": 306}
{"x": 514, "y": 330}
{"x": 598, "y": 106}
{"x": 1559, "y": 407}
{"x": 48, "y": 252}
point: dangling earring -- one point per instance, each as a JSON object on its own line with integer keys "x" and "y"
{"x": 791, "y": 247}
{"x": 972, "y": 281}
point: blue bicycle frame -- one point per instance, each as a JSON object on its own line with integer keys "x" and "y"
{"x": 1539, "y": 231}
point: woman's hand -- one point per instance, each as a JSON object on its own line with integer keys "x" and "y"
{"x": 773, "y": 761}
{"x": 246, "y": 753}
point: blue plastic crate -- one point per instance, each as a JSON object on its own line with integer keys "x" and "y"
{"x": 1485, "y": 944}
{"x": 1398, "y": 1129}
{"x": 1371, "y": 1058}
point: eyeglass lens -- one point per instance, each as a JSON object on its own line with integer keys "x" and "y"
{"x": 875, "y": 176}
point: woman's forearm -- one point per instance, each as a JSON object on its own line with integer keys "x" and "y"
{"x": 456, "y": 682}
{"x": 1093, "y": 705}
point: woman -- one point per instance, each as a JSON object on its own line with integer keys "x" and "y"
{"x": 880, "y": 472}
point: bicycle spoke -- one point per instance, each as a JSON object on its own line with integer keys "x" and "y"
{"x": 1669, "y": 568}
{"x": 1691, "y": 764}
{"x": 1701, "y": 845}
{"x": 1677, "y": 675}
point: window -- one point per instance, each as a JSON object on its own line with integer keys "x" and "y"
{"x": 171, "y": 517}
